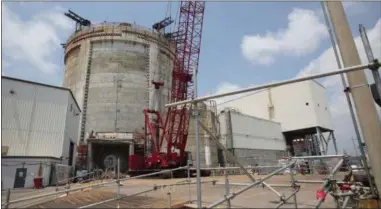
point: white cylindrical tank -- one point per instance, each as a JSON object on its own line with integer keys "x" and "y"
{"x": 110, "y": 69}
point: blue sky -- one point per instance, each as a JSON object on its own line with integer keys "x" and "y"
{"x": 228, "y": 61}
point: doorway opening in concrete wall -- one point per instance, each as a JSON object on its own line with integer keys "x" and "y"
{"x": 104, "y": 155}
{"x": 71, "y": 153}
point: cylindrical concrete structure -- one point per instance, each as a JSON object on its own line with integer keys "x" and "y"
{"x": 110, "y": 68}
{"x": 208, "y": 151}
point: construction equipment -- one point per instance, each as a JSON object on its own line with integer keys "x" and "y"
{"x": 165, "y": 140}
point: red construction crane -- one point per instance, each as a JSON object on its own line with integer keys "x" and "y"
{"x": 174, "y": 131}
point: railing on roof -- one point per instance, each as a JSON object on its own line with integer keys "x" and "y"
{"x": 116, "y": 24}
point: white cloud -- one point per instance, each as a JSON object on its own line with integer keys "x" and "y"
{"x": 338, "y": 104}
{"x": 224, "y": 88}
{"x": 302, "y": 36}
{"x": 326, "y": 62}
{"x": 35, "y": 40}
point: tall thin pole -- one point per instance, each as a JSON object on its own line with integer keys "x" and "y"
{"x": 362, "y": 97}
{"x": 198, "y": 172}
{"x": 335, "y": 51}
{"x": 355, "y": 147}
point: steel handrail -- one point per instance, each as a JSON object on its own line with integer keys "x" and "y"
{"x": 90, "y": 186}
{"x": 276, "y": 84}
{"x": 232, "y": 195}
{"x": 155, "y": 187}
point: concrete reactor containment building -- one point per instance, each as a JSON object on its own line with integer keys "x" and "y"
{"x": 110, "y": 69}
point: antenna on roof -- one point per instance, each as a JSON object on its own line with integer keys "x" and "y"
{"x": 80, "y": 21}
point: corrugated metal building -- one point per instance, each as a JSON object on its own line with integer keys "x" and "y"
{"x": 38, "y": 120}
{"x": 301, "y": 108}
{"x": 252, "y": 140}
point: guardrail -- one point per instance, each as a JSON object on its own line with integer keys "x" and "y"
{"x": 67, "y": 191}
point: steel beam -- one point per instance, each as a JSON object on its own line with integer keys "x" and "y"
{"x": 281, "y": 83}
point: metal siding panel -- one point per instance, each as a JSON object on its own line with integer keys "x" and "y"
{"x": 322, "y": 112}
{"x": 16, "y": 109}
{"x": 289, "y": 104}
{"x": 43, "y": 132}
{"x": 50, "y": 117}
{"x": 255, "y": 133}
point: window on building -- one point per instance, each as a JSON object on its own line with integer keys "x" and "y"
{"x": 307, "y": 104}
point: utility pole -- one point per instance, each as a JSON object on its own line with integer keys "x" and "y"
{"x": 362, "y": 98}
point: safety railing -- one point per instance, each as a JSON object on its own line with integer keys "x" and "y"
{"x": 9, "y": 202}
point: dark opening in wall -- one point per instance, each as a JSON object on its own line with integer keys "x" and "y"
{"x": 307, "y": 104}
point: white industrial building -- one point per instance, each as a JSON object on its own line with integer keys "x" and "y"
{"x": 301, "y": 108}
{"x": 39, "y": 128}
{"x": 252, "y": 140}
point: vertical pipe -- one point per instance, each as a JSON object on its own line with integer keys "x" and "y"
{"x": 118, "y": 182}
{"x": 189, "y": 183}
{"x": 369, "y": 52}
{"x": 7, "y": 199}
{"x": 293, "y": 180}
{"x": 362, "y": 98}
{"x": 169, "y": 199}
{"x": 227, "y": 188}
{"x": 198, "y": 173}
{"x": 334, "y": 139}
{"x": 335, "y": 51}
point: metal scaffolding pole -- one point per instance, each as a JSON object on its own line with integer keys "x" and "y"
{"x": 362, "y": 97}
{"x": 198, "y": 166}
{"x": 335, "y": 51}
{"x": 281, "y": 83}
{"x": 234, "y": 159}
{"x": 232, "y": 195}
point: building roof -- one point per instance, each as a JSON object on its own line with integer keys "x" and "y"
{"x": 42, "y": 84}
